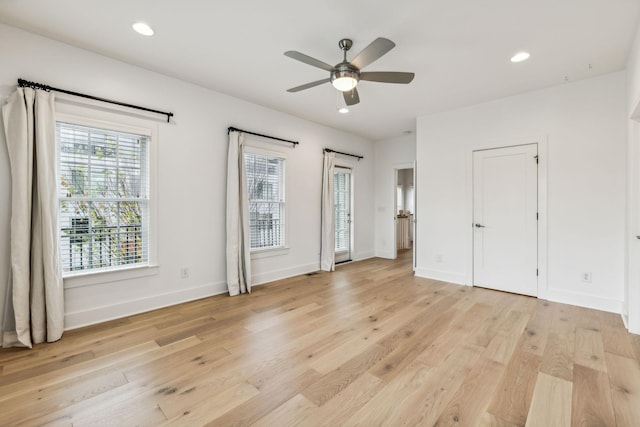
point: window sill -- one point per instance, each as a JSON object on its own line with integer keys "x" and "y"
{"x": 266, "y": 253}
{"x": 77, "y": 280}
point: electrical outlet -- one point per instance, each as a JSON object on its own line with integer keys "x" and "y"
{"x": 438, "y": 258}
{"x": 184, "y": 273}
{"x": 586, "y": 277}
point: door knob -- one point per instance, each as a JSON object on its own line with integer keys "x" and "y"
{"x": 479, "y": 226}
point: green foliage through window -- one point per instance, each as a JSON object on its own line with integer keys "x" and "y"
{"x": 103, "y": 188}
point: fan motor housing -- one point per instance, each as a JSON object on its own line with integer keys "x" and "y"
{"x": 345, "y": 69}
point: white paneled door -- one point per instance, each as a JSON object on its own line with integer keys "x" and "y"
{"x": 342, "y": 200}
{"x": 505, "y": 219}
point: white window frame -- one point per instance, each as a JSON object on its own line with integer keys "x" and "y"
{"x": 344, "y": 169}
{"x": 284, "y": 249}
{"x": 349, "y": 163}
{"x": 91, "y": 117}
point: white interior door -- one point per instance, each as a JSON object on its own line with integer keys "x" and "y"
{"x": 505, "y": 219}
{"x": 342, "y": 200}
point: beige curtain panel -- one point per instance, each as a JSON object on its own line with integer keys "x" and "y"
{"x": 328, "y": 233}
{"x": 238, "y": 246}
{"x": 36, "y": 298}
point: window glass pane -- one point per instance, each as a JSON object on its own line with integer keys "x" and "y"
{"x": 342, "y": 214}
{"x": 399, "y": 199}
{"x": 266, "y": 225}
{"x": 103, "y": 191}
{"x": 265, "y": 187}
{"x": 409, "y": 201}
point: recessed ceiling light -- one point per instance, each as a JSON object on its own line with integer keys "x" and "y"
{"x": 520, "y": 56}
{"x": 143, "y": 28}
{"x": 343, "y": 110}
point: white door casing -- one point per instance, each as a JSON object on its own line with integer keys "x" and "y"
{"x": 415, "y": 213}
{"x": 505, "y": 219}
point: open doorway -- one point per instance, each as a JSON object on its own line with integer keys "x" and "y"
{"x": 404, "y": 196}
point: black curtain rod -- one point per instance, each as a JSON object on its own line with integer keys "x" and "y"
{"x": 329, "y": 150}
{"x": 33, "y": 85}
{"x": 231, "y": 129}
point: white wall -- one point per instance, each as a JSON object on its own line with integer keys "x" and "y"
{"x": 584, "y": 126}
{"x": 632, "y": 306}
{"x": 390, "y": 154}
{"x": 192, "y": 165}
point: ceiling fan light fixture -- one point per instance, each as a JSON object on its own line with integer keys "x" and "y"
{"x": 345, "y": 75}
{"x": 344, "y": 83}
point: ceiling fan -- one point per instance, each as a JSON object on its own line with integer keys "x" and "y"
{"x": 346, "y": 75}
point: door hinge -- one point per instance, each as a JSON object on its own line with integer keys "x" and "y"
{"x": 536, "y": 157}
{"x": 537, "y": 216}
{"x": 536, "y": 271}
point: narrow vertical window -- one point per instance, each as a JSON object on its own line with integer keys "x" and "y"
{"x": 342, "y": 213}
{"x": 265, "y": 186}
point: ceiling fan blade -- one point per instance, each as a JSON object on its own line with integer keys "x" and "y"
{"x": 387, "y": 77}
{"x": 308, "y": 60}
{"x": 373, "y": 52}
{"x": 351, "y": 97}
{"x": 308, "y": 85}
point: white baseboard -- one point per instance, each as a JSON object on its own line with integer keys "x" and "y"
{"x": 95, "y": 315}
{"x": 262, "y": 278}
{"x": 555, "y": 295}
{"x": 584, "y": 300}
{"x": 364, "y": 255}
{"x": 441, "y": 275}
{"x": 633, "y": 328}
{"x": 385, "y": 254}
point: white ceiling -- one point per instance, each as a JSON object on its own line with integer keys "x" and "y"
{"x": 459, "y": 49}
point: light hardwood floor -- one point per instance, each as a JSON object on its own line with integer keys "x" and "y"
{"x": 369, "y": 345}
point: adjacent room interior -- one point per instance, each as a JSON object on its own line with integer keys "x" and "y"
{"x": 204, "y": 221}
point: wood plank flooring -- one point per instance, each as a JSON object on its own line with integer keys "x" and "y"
{"x": 367, "y": 345}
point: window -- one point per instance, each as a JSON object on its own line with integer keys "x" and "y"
{"x": 104, "y": 198}
{"x": 342, "y": 211}
{"x": 409, "y": 202}
{"x": 399, "y": 199}
{"x": 265, "y": 186}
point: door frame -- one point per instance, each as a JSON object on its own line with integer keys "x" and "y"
{"x": 397, "y": 167}
{"x": 632, "y": 315}
{"x": 542, "y": 206}
{"x": 351, "y": 203}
